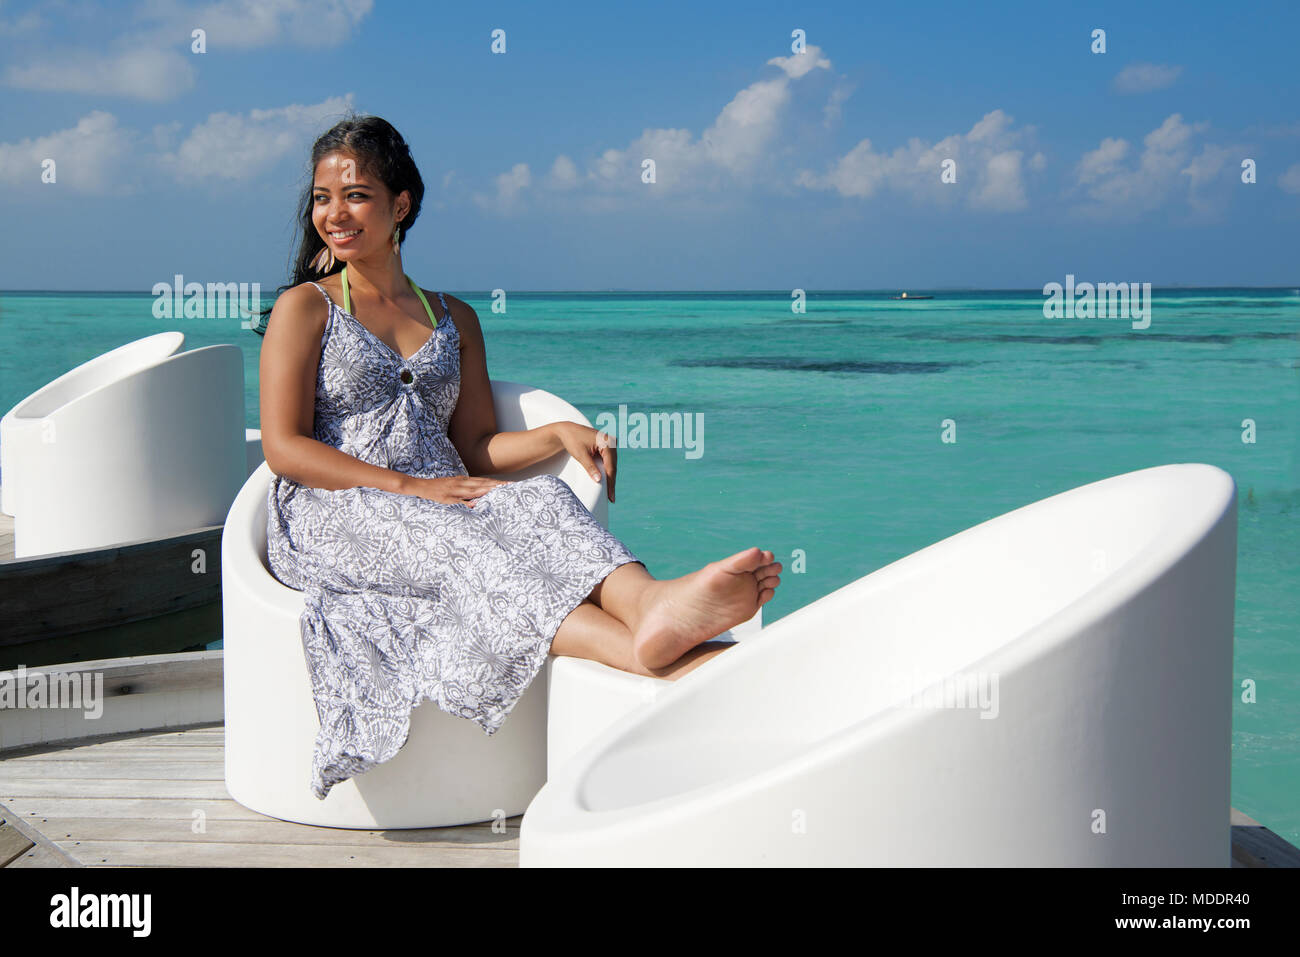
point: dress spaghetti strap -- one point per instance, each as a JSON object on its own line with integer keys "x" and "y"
{"x": 328, "y": 300}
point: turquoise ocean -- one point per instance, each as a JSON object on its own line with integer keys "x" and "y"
{"x": 822, "y": 431}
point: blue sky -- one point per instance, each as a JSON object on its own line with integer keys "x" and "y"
{"x": 774, "y": 170}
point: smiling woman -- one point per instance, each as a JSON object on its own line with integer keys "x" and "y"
{"x": 423, "y": 578}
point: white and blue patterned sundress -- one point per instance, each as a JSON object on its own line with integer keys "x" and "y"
{"x": 407, "y": 598}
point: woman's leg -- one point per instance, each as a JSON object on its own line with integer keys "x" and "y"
{"x": 667, "y": 619}
{"x": 590, "y": 632}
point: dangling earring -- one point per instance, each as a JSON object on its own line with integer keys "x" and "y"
{"x": 321, "y": 262}
{"x": 397, "y": 238}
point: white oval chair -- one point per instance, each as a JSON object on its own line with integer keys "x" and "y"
{"x": 1051, "y": 687}
{"x": 449, "y": 772}
{"x": 21, "y": 426}
{"x": 156, "y": 451}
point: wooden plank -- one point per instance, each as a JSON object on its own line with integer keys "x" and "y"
{"x": 1238, "y": 819}
{"x": 191, "y": 629}
{"x": 6, "y": 536}
{"x": 32, "y": 730}
{"x": 69, "y": 831}
{"x": 44, "y": 853}
{"x": 13, "y": 788}
{"x": 140, "y": 674}
{"x": 197, "y": 736}
{"x": 40, "y": 856}
{"x": 161, "y": 854}
{"x": 157, "y": 674}
{"x": 42, "y": 810}
{"x": 198, "y": 752}
{"x": 1257, "y": 846}
{"x": 32, "y": 769}
{"x": 70, "y": 592}
{"x": 13, "y": 842}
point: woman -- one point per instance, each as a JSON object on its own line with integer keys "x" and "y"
{"x": 421, "y": 577}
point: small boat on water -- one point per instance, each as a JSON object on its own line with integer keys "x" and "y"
{"x": 911, "y": 298}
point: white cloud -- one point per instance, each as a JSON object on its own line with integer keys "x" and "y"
{"x": 988, "y": 167}
{"x": 736, "y": 144}
{"x": 1118, "y": 183}
{"x": 150, "y": 58}
{"x": 508, "y": 186}
{"x": 31, "y": 20}
{"x": 800, "y": 64}
{"x": 146, "y": 74}
{"x": 833, "y": 110}
{"x": 1000, "y": 188}
{"x": 564, "y": 173}
{"x": 1206, "y": 166}
{"x": 747, "y": 124}
{"x": 1102, "y": 162}
{"x": 236, "y": 146}
{"x": 1145, "y": 77}
{"x": 97, "y": 155}
{"x": 1290, "y": 180}
{"x": 89, "y": 157}
{"x": 248, "y": 24}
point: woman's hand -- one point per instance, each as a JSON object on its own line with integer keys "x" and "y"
{"x": 452, "y": 489}
{"x": 586, "y": 445}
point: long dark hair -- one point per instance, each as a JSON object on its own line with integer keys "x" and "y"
{"x": 381, "y": 152}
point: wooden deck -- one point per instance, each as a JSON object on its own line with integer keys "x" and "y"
{"x": 134, "y": 598}
{"x": 158, "y": 798}
{"x": 6, "y": 537}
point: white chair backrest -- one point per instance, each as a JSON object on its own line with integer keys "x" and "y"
{"x": 985, "y": 600}
{"x": 156, "y": 452}
{"x": 21, "y": 425}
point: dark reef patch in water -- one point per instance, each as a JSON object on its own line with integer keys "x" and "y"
{"x": 823, "y": 365}
{"x": 1218, "y": 338}
{"x": 1009, "y": 337}
{"x": 796, "y": 321}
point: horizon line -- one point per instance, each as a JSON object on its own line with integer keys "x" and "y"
{"x": 888, "y": 290}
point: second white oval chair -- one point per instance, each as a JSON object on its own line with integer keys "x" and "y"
{"x": 134, "y": 454}
{"x": 449, "y": 771}
{"x": 21, "y": 426}
{"x": 1049, "y": 688}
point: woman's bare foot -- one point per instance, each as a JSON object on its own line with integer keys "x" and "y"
{"x": 685, "y": 611}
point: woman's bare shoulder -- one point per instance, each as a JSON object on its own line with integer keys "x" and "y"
{"x": 301, "y": 311}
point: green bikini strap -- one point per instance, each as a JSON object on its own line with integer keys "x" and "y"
{"x": 419, "y": 292}
{"x": 347, "y": 300}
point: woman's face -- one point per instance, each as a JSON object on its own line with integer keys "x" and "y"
{"x": 354, "y": 213}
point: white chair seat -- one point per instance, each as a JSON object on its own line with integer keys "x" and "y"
{"x": 1099, "y": 619}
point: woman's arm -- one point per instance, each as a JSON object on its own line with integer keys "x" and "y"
{"x": 473, "y": 426}
{"x": 287, "y": 372}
